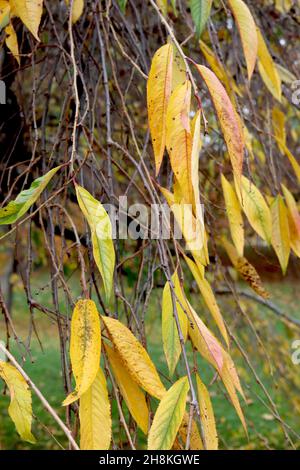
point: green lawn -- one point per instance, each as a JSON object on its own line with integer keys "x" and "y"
{"x": 282, "y": 383}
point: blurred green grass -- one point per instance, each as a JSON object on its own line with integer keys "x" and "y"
{"x": 264, "y": 431}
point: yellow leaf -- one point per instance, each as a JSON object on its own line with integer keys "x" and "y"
{"x": 4, "y": 13}
{"x": 234, "y": 214}
{"x": 101, "y": 230}
{"x": 19, "y": 409}
{"x": 278, "y": 122}
{"x": 229, "y": 120}
{"x": 158, "y": 94}
{"x": 280, "y": 232}
{"x": 207, "y": 416}
{"x": 85, "y": 347}
{"x": 255, "y": 209}
{"x": 178, "y": 69}
{"x": 30, "y": 12}
{"x": 217, "y": 67}
{"x": 168, "y": 416}
{"x": 247, "y": 30}
{"x": 267, "y": 68}
{"x": 208, "y": 297}
{"x": 293, "y": 161}
{"x": 171, "y": 342}
{"x": 77, "y": 10}
{"x": 134, "y": 357}
{"x": 195, "y": 438}
{"x": 293, "y": 220}
{"x": 95, "y": 416}
{"x": 130, "y": 391}
{"x": 191, "y": 227}
{"x": 12, "y": 42}
{"x": 179, "y": 138}
{"x": 196, "y": 147}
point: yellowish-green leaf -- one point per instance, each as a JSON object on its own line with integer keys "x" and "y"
{"x": 19, "y": 409}
{"x": 77, "y": 10}
{"x": 234, "y": 214}
{"x": 293, "y": 161}
{"x": 30, "y": 12}
{"x": 159, "y": 87}
{"x": 15, "y": 209}
{"x": 293, "y": 220}
{"x": 280, "y": 232}
{"x": 255, "y": 209}
{"x": 278, "y": 123}
{"x": 12, "y": 42}
{"x": 267, "y": 68}
{"x": 171, "y": 342}
{"x": 179, "y": 138}
{"x": 4, "y": 13}
{"x": 228, "y": 118}
{"x": 208, "y": 296}
{"x": 101, "y": 230}
{"x": 130, "y": 391}
{"x": 95, "y": 415}
{"x": 247, "y": 30}
{"x": 168, "y": 416}
{"x": 134, "y": 357}
{"x": 196, "y": 147}
{"x": 286, "y": 76}
{"x": 85, "y": 347}
{"x": 207, "y": 416}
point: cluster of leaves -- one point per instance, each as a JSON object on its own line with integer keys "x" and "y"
{"x": 177, "y": 126}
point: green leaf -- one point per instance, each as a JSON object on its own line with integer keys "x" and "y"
{"x": 200, "y": 10}
{"x": 122, "y": 5}
{"x": 15, "y": 209}
{"x": 168, "y": 416}
{"x": 101, "y": 230}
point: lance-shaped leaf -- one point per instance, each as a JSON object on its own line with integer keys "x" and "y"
{"x": 234, "y": 214}
{"x": 159, "y": 87}
{"x": 196, "y": 147}
{"x": 209, "y": 347}
{"x": 278, "y": 124}
{"x": 204, "y": 341}
{"x": 85, "y": 347}
{"x": 207, "y": 416}
{"x": 122, "y": 5}
{"x": 101, "y": 230}
{"x": 179, "y": 138}
{"x": 19, "y": 409}
{"x": 168, "y": 416}
{"x": 171, "y": 342}
{"x": 178, "y": 69}
{"x": 293, "y": 220}
{"x": 280, "y": 232}
{"x": 247, "y": 30}
{"x": 208, "y": 296}
{"x": 200, "y": 10}
{"x": 4, "y": 13}
{"x": 228, "y": 119}
{"x": 95, "y": 416}
{"x": 255, "y": 209}
{"x": 134, "y": 357}
{"x": 15, "y": 209}
{"x": 12, "y": 42}
{"x": 30, "y": 12}
{"x": 267, "y": 68}
{"x": 77, "y": 10}
{"x": 130, "y": 391}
